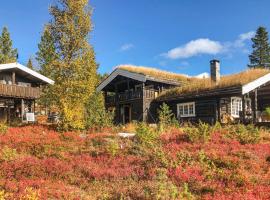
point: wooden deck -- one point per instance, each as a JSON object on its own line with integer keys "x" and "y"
{"x": 16, "y": 91}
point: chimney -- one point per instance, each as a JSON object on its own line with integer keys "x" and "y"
{"x": 215, "y": 71}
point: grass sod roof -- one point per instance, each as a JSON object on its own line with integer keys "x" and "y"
{"x": 156, "y": 73}
{"x": 203, "y": 85}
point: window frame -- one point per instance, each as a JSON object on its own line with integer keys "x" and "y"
{"x": 188, "y": 105}
{"x": 238, "y": 108}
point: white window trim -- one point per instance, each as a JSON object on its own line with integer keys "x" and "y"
{"x": 186, "y": 104}
{"x": 236, "y": 98}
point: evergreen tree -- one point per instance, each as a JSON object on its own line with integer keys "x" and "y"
{"x": 97, "y": 115}
{"x": 30, "y": 64}
{"x": 260, "y": 57}
{"x": 46, "y": 54}
{"x": 74, "y": 69}
{"x": 7, "y": 53}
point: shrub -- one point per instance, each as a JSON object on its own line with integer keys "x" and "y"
{"x": 267, "y": 111}
{"x": 145, "y": 134}
{"x": 186, "y": 194}
{"x": 112, "y": 147}
{"x": 245, "y": 134}
{"x": 163, "y": 187}
{"x": 30, "y": 194}
{"x": 4, "y": 195}
{"x": 8, "y": 154}
{"x": 166, "y": 117}
{"x": 3, "y": 128}
{"x": 201, "y": 133}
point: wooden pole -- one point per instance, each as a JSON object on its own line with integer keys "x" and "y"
{"x": 22, "y": 109}
{"x": 255, "y": 105}
{"x": 244, "y": 109}
{"x": 144, "y": 117}
{"x": 13, "y": 78}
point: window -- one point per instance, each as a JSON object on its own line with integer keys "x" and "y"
{"x": 186, "y": 109}
{"x": 236, "y": 106}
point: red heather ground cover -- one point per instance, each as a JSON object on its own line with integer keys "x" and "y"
{"x": 38, "y": 161}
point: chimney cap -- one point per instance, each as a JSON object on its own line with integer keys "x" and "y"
{"x": 214, "y": 60}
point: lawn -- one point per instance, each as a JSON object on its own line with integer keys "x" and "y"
{"x": 187, "y": 162}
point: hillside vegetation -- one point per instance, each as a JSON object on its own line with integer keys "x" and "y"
{"x": 199, "y": 162}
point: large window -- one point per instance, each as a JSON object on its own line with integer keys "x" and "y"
{"x": 186, "y": 109}
{"x": 236, "y": 106}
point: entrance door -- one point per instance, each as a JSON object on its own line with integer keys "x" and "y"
{"x": 127, "y": 114}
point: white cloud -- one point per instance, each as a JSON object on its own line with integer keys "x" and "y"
{"x": 126, "y": 47}
{"x": 242, "y": 38}
{"x": 195, "y": 47}
{"x": 207, "y": 46}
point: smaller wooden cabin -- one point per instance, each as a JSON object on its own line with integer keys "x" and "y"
{"x": 135, "y": 93}
{"x": 241, "y": 97}
{"x": 19, "y": 88}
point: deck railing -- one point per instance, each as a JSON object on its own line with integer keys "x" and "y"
{"x": 19, "y": 91}
{"x": 131, "y": 95}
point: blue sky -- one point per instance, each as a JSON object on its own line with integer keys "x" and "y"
{"x": 175, "y": 35}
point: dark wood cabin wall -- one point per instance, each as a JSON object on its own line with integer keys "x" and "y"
{"x": 137, "y": 110}
{"x": 208, "y": 109}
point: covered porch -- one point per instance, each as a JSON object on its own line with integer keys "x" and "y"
{"x": 16, "y": 110}
{"x": 255, "y": 103}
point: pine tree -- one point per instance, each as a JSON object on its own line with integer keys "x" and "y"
{"x": 74, "y": 70}
{"x": 46, "y": 54}
{"x": 30, "y": 64}
{"x": 7, "y": 53}
{"x": 260, "y": 57}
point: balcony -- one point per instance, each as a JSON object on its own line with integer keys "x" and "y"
{"x": 131, "y": 95}
{"x": 16, "y": 91}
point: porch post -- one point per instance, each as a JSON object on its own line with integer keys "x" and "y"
{"x": 22, "y": 109}
{"x": 34, "y": 106}
{"x": 128, "y": 89}
{"x": 144, "y": 114}
{"x": 118, "y": 112}
{"x": 218, "y": 117}
{"x": 255, "y": 105}
{"x": 244, "y": 109}
{"x": 13, "y": 78}
{"x": 105, "y": 96}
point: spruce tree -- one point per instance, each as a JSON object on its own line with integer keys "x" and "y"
{"x": 260, "y": 57}
{"x": 46, "y": 54}
{"x": 7, "y": 53}
{"x": 30, "y": 64}
{"x": 74, "y": 69}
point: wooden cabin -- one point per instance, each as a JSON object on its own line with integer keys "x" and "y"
{"x": 19, "y": 88}
{"x": 135, "y": 93}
